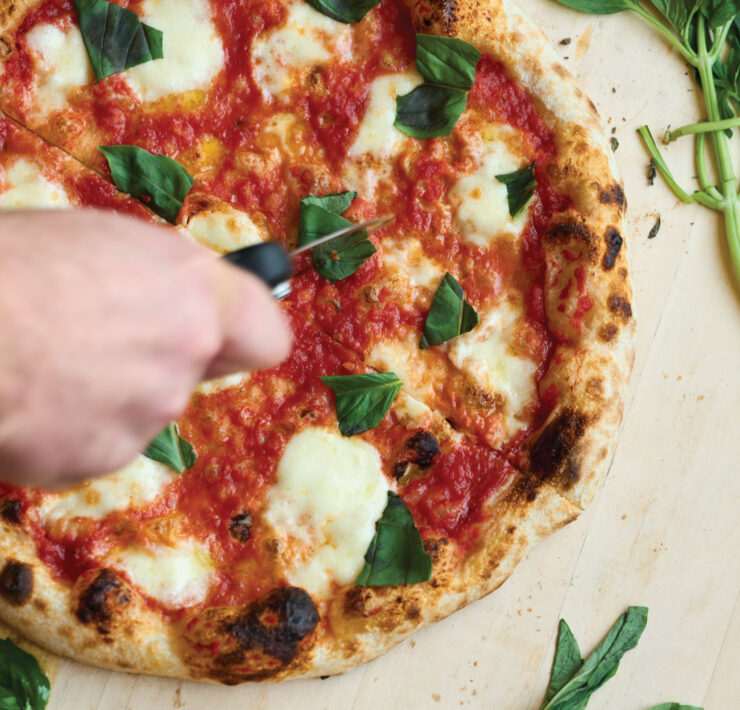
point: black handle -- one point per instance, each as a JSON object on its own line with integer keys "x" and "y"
{"x": 269, "y": 261}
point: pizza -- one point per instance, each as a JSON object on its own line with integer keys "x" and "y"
{"x": 457, "y": 378}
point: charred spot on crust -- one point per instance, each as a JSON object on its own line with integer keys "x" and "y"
{"x": 436, "y": 548}
{"x": 613, "y": 244}
{"x": 567, "y": 232}
{"x": 10, "y": 510}
{"x": 613, "y": 195}
{"x": 240, "y": 526}
{"x": 276, "y": 624}
{"x": 16, "y": 582}
{"x": 425, "y": 447}
{"x": 619, "y": 306}
{"x": 608, "y": 332}
{"x": 100, "y": 599}
{"x": 555, "y": 445}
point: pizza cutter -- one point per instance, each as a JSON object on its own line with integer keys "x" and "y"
{"x": 270, "y": 262}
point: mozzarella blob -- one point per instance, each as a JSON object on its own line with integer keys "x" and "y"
{"x": 330, "y": 492}
{"x": 26, "y": 186}
{"x": 61, "y": 64}
{"x": 192, "y": 48}
{"x": 306, "y": 40}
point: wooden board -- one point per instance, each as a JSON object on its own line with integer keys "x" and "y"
{"x": 662, "y": 532}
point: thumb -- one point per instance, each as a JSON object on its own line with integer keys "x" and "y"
{"x": 255, "y": 332}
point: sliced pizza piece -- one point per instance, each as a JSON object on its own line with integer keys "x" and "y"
{"x": 280, "y": 513}
{"x": 34, "y": 174}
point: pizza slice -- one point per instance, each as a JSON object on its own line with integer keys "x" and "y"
{"x": 281, "y": 511}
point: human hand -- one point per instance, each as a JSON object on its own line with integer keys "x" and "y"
{"x": 107, "y": 324}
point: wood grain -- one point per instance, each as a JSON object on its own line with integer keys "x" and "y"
{"x": 663, "y": 530}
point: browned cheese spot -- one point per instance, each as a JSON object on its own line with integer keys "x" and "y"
{"x": 105, "y": 594}
{"x": 16, "y": 582}
{"x": 240, "y": 526}
{"x": 619, "y": 306}
{"x": 614, "y": 242}
{"x": 553, "y": 450}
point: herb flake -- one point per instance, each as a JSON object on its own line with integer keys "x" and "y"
{"x": 169, "y": 448}
{"x": 449, "y": 316}
{"x": 520, "y": 187}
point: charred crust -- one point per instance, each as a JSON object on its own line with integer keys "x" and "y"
{"x": 436, "y": 548}
{"x": 553, "y": 450}
{"x": 356, "y": 600}
{"x": 16, "y": 582}
{"x": 276, "y": 624}
{"x": 425, "y": 448}
{"x": 614, "y": 242}
{"x": 240, "y": 526}
{"x": 608, "y": 332}
{"x": 568, "y": 232}
{"x": 619, "y": 306}
{"x": 10, "y": 510}
{"x": 105, "y": 593}
{"x": 613, "y": 195}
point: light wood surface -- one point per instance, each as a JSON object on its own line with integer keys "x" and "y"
{"x": 663, "y": 530}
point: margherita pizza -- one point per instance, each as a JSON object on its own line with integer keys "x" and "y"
{"x": 457, "y": 378}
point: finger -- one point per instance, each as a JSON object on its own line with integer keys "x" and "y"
{"x": 255, "y": 332}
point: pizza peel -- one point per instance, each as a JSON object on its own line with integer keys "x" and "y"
{"x": 271, "y": 263}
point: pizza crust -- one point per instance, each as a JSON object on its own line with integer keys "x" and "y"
{"x": 564, "y": 461}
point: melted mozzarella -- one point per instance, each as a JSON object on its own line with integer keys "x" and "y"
{"x": 406, "y": 360}
{"x": 409, "y": 259}
{"x": 487, "y": 353}
{"x": 26, "y": 186}
{"x": 193, "y": 53}
{"x": 61, "y": 65}
{"x": 329, "y": 494}
{"x": 377, "y": 136}
{"x": 138, "y": 483}
{"x": 176, "y": 576}
{"x": 307, "y": 39}
{"x": 480, "y": 200}
{"x": 224, "y": 229}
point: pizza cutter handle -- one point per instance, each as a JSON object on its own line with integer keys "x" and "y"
{"x": 267, "y": 260}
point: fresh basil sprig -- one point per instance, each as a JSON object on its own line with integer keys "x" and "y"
{"x": 344, "y": 10}
{"x": 572, "y": 681}
{"x": 396, "y": 554}
{"x": 362, "y": 400}
{"x": 169, "y": 448}
{"x": 447, "y": 66}
{"x": 520, "y": 187}
{"x": 450, "y": 315}
{"x": 706, "y": 33}
{"x": 341, "y": 257}
{"x": 23, "y": 685}
{"x": 115, "y": 38}
{"x": 161, "y": 183}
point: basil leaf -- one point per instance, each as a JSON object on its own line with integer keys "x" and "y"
{"x": 450, "y": 315}
{"x": 446, "y": 61}
{"x": 115, "y": 38}
{"x": 396, "y": 554}
{"x": 567, "y": 660}
{"x": 602, "y": 664}
{"x": 429, "y": 111}
{"x": 362, "y": 400}
{"x": 169, "y": 448}
{"x": 520, "y": 186}
{"x": 675, "y": 706}
{"x": 337, "y": 202}
{"x": 448, "y": 68}
{"x": 599, "y": 7}
{"x": 341, "y": 257}
{"x": 144, "y": 175}
{"x": 21, "y": 679}
{"x": 720, "y": 12}
{"x": 344, "y": 10}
